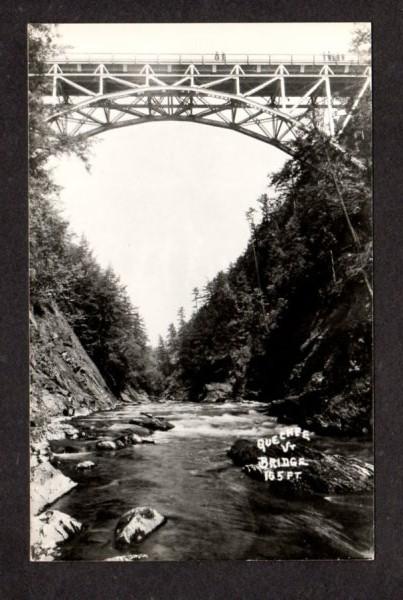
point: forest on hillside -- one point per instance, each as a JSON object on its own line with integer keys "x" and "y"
{"x": 292, "y": 318}
{"x": 289, "y": 323}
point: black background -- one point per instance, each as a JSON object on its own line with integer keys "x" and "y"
{"x": 232, "y": 580}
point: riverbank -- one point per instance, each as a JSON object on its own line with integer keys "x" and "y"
{"x": 59, "y": 437}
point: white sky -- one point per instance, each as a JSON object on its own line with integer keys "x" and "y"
{"x": 165, "y": 203}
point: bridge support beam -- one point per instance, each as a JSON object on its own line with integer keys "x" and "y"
{"x": 271, "y": 102}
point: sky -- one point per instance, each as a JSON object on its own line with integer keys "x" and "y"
{"x": 164, "y": 204}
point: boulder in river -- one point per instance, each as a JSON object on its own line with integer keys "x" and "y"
{"x": 48, "y": 530}
{"x": 88, "y": 433}
{"x": 137, "y": 524}
{"x": 244, "y": 452}
{"x": 128, "y": 439}
{"x": 151, "y": 422}
{"x": 126, "y": 428}
{"x": 106, "y": 445}
{"x": 320, "y": 473}
{"x": 85, "y": 465}
{"x": 47, "y": 485}
{"x": 135, "y": 439}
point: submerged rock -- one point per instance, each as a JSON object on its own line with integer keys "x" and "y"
{"x": 47, "y": 485}
{"x": 50, "y": 529}
{"x": 86, "y": 464}
{"x": 311, "y": 472}
{"x": 137, "y": 524}
{"x": 152, "y": 423}
{"x": 127, "y": 428}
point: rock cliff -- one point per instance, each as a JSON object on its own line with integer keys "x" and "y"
{"x": 63, "y": 377}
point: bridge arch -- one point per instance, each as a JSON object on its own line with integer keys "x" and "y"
{"x": 196, "y": 105}
{"x": 269, "y": 98}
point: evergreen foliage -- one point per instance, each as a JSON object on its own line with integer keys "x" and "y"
{"x": 293, "y": 314}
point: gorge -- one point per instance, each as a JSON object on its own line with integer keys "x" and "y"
{"x": 282, "y": 337}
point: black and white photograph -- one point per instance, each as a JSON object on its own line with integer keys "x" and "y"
{"x": 201, "y": 291}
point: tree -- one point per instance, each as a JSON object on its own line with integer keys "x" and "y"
{"x": 181, "y": 319}
{"x": 49, "y": 236}
{"x": 361, "y": 41}
{"x": 196, "y": 298}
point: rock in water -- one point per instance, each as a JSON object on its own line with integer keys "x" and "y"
{"x": 322, "y": 474}
{"x": 244, "y": 452}
{"x": 332, "y": 474}
{"x": 86, "y": 464}
{"x": 48, "y": 530}
{"x": 152, "y": 423}
{"x": 106, "y": 445}
{"x": 128, "y": 439}
{"x": 137, "y": 524}
{"x": 47, "y": 485}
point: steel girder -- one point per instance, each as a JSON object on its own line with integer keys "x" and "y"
{"x": 275, "y": 107}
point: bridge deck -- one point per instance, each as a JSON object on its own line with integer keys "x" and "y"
{"x": 219, "y": 58}
{"x": 346, "y": 77}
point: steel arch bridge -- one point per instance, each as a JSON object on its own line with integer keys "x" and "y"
{"x": 273, "y": 98}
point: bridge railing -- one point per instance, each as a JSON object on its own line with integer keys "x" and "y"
{"x": 213, "y": 58}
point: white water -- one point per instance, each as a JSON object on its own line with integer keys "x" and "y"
{"x": 214, "y": 510}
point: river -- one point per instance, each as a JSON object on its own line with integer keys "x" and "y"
{"x": 214, "y": 510}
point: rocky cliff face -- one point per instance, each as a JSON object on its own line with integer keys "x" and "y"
{"x": 63, "y": 377}
{"x": 329, "y": 388}
{"x": 64, "y": 381}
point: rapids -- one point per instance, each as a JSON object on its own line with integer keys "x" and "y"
{"x": 214, "y": 510}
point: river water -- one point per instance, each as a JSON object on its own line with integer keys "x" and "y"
{"x": 214, "y": 510}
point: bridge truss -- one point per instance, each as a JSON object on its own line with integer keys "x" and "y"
{"x": 274, "y": 99}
